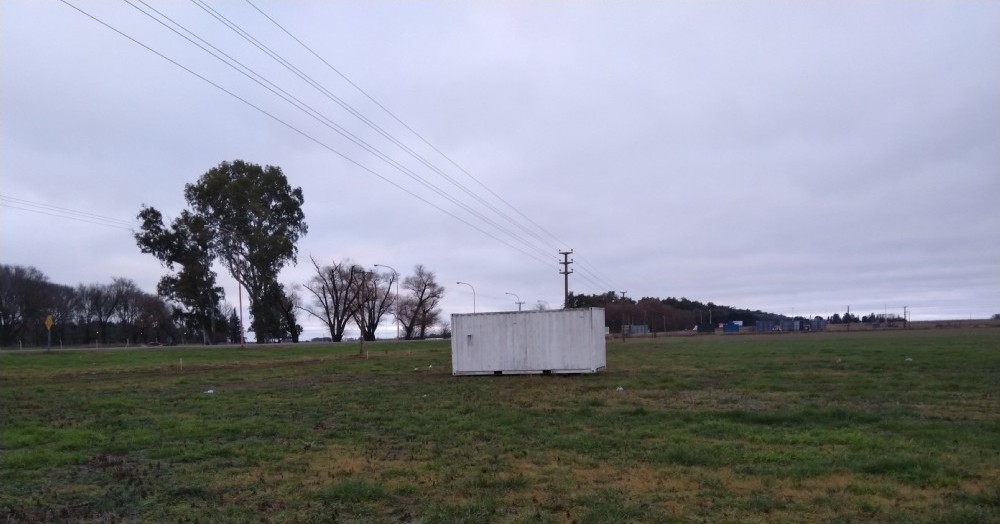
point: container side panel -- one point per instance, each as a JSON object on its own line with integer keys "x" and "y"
{"x": 529, "y": 342}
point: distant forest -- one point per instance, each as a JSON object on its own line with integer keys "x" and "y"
{"x": 668, "y": 314}
{"x": 114, "y": 313}
{"x": 119, "y": 313}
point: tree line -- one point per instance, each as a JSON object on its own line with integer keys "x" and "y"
{"x": 871, "y": 318}
{"x": 248, "y": 218}
{"x": 668, "y": 314}
{"x": 341, "y": 294}
{"x": 344, "y": 293}
{"x": 114, "y": 313}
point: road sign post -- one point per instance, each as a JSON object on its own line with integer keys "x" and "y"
{"x": 48, "y": 330}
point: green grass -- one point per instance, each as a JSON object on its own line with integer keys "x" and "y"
{"x": 873, "y": 427}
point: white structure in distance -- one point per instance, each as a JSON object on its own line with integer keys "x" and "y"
{"x": 517, "y": 343}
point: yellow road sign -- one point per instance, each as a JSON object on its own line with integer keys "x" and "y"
{"x": 48, "y": 322}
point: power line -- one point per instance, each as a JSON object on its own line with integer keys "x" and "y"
{"x": 597, "y": 279}
{"x": 300, "y": 132}
{"x": 357, "y": 114}
{"x": 584, "y": 264}
{"x": 420, "y": 137}
{"x": 315, "y": 114}
{"x": 92, "y": 218}
{"x": 63, "y": 212}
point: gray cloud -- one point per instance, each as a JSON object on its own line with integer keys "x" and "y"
{"x": 764, "y": 155}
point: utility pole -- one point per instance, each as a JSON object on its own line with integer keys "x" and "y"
{"x": 565, "y": 273}
{"x": 518, "y": 301}
{"x": 623, "y": 315}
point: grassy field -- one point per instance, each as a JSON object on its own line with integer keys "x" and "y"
{"x": 859, "y": 427}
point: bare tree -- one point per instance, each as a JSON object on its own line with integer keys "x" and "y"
{"x": 128, "y": 308}
{"x": 374, "y": 300}
{"x": 154, "y": 320}
{"x": 112, "y": 312}
{"x": 67, "y": 305}
{"x": 418, "y": 310}
{"x": 427, "y": 318}
{"x": 100, "y": 302}
{"x": 445, "y": 328}
{"x": 333, "y": 291}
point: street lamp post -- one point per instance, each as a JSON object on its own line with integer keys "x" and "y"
{"x": 395, "y": 300}
{"x": 473, "y": 294}
{"x": 517, "y": 300}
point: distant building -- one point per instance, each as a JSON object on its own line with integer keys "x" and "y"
{"x": 766, "y": 326}
{"x": 635, "y": 329}
{"x": 817, "y": 324}
{"x": 790, "y": 325}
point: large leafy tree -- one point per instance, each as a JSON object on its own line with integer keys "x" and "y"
{"x": 254, "y": 218}
{"x": 281, "y": 315}
{"x": 185, "y": 248}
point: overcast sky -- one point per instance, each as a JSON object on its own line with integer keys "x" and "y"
{"x": 796, "y": 157}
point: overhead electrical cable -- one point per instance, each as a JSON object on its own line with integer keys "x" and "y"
{"x": 316, "y": 115}
{"x": 376, "y": 127}
{"x": 584, "y": 265}
{"x": 300, "y": 132}
{"x": 602, "y": 282}
{"x": 63, "y": 212}
{"x": 593, "y": 284}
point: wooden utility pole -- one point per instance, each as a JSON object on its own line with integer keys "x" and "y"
{"x": 623, "y": 314}
{"x": 565, "y": 273}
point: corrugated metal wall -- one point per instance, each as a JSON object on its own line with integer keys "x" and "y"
{"x": 557, "y": 341}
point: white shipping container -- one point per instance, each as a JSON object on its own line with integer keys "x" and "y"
{"x": 556, "y": 341}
